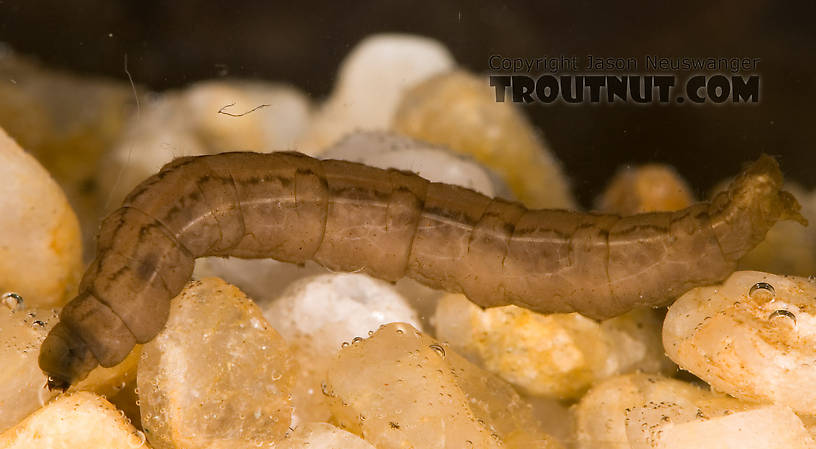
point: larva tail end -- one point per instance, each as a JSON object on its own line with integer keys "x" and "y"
{"x": 790, "y": 208}
{"x": 65, "y": 358}
{"x": 766, "y": 172}
{"x": 753, "y": 203}
{"x": 764, "y": 166}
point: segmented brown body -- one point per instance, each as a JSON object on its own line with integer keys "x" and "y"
{"x": 391, "y": 224}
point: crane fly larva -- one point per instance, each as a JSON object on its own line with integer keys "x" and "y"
{"x": 389, "y": 224}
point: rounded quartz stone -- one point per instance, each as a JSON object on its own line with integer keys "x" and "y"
{"x": 646, "y": 188}
{"x": 246, "y": 115}
{"x": 320, "y": 435}
{"x": 753, "y": 337}
{"x": 22, "y": 383}
{"x": 788, "y": 247}
{"x": 459, "y": 111}
{"x": 371, "y": 81}
{"x": 651, "y": 411}
{"x": 218, "y": 375}
{"x": 188, "y": 123}
{"x": 81, "y": 420}
{"x": 316, "y": 315}
{"x": 40, "y": 242}
{"x": 400, "y": 388}
{"x": 551, "y": 355}
{"x": 434, "y": 163}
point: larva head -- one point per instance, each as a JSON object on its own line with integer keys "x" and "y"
{"x": 65, "y": 358}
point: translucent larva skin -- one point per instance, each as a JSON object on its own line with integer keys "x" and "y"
{"x": 391, "y": 224}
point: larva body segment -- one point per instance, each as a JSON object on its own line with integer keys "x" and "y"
{"x": 442, "y": 237}
{"x": 282, "y": 202}
{"x": 392, "y": 224}
{"x": 359, "y": 234}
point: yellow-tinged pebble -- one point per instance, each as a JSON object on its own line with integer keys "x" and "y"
{"x": 647, "y": 188}
{"x": 40, "y": 243}
{"x": 66, "y": 122}
{"x": 111, "y": 381}
{"x": 400, "y": 388}
{"x": 459, "y": 110}
{"x": 217, "y": 375}
{"x": 75, "y": 421}
{"x": 557, "y": 355}
{"x": 203, "y": 101}
{"x": 753, "y": 337}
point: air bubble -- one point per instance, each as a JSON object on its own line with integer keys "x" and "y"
{"x": 762, "y": 291}
{"x": 137, "y": 439}
{"x": 12, "y": 300}
{"x": 356, "y": 340}
{"x": 438, "y": 349}
{"x": 782, "y": 314}
{"x": 345, "y": 344}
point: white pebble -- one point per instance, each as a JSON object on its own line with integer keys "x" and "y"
{"x": 188, "y": 123}
{"x": 639, "y": 411}
{"x": 318, "y": 314}
{"x": 371, "y": 82}
{"x": 320, "y": 435}
{"x": 333, "y": 308}
{"x": 753, "y": 337}
{"x": 768, "y": 427}
{"x": 432, "y": 162}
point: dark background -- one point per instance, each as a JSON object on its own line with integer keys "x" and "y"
{"x": 173, "y": 43}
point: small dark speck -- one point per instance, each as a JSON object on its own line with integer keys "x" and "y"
{"x": 393, "y": 425}
{"x": 88, "y": 185}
